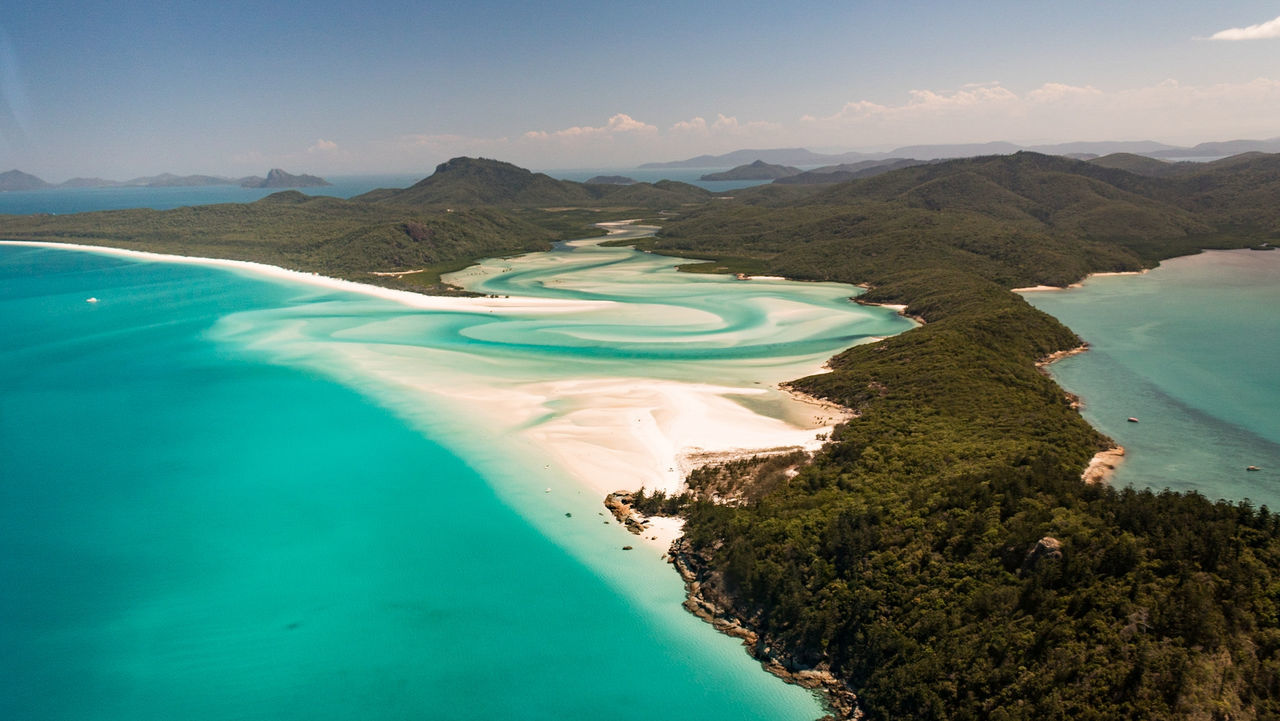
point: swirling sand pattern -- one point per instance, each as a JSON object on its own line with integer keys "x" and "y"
{"x": 604, "y": 361}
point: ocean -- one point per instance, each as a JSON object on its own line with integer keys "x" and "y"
{"x": 234, "y": 495}
{"x": 1189, "y": 350}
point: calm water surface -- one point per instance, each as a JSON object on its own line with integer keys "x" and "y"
{"x": 1190, "y": 350}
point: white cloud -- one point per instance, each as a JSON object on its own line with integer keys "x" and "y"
{"x": 1053, "y": 112}
{"x": 1261, "y": 31}
{"x": 322, "y": 146}
{"x": 620, "y": 123}
{"x": 1169, "y": 111}
{"x": 693, "y": 125}
{"x": 1058, "y": 92}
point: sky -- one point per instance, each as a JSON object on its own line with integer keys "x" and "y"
{"x": 122, "y": 89}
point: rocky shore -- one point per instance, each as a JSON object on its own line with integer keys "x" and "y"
{"x": 708, "y": 600}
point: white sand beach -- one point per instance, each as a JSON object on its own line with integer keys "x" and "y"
{"x": 1045, "y": 288}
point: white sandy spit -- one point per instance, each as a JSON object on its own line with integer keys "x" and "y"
{"x": 403, "y": 297}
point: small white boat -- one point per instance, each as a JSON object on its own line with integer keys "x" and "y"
{"x": 91, "y": 300}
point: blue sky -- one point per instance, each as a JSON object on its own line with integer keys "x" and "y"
{"x": 119, "y": 89}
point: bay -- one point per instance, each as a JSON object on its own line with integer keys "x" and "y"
{"x": 1189, "y": 349}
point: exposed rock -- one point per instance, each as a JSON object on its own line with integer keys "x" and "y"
{"x": 1046, "y": 549}
{"x": 708, "y": 601}
{"x": 619, "y": 504}
{"x": 1102, "y": 465}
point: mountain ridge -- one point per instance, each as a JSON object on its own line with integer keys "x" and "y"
{"x": 803, "y": 156}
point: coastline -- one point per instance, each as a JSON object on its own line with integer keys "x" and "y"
{"x": 1103, "y": 465}
{"x": 899, "y": 308}
{"x": 706, "y": 601}
{"x": 1078, "y": 284}
{"x": 407, "y": 298}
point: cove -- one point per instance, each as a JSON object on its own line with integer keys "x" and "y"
{"x": 1188, "y": 349}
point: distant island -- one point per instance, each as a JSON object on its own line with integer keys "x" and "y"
{"x": 16, "y": 180}
{"x": 612, "y": 180}
{"x": 277, "y": 178}
{"x": 759, "y": 170}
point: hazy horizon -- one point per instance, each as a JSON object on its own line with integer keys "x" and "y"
{"x": 98, "y": 89}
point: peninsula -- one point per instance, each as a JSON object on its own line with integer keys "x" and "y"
{"x": 941, "y": 557}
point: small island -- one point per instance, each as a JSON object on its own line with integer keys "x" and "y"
{"x": 759, "y": 170}
{"x": 277, "y": 178}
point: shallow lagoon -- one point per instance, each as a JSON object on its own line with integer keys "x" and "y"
{"x": 226, "y": 496}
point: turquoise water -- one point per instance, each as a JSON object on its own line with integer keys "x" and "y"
{"x": 227, "y": 496}
{"x": 1190, "y": 350}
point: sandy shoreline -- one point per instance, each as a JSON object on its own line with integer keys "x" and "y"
{"x": 1103, "y": 465}
{"x": 1046, "y": 288}
{"x": 899, "y": 308}
{"x": 607, "y": 434}
{"x": 403, "y": 297}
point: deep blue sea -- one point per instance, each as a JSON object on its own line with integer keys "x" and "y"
{"x": 230, "y": 495}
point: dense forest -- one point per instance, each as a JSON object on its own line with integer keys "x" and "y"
{"x": 941, "y": 557}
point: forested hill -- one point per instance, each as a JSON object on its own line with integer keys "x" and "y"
{"x": 943, "y": 557}
{"x": 480, "y": 181}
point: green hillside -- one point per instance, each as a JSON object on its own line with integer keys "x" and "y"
{"x": 347, "y": 239}
{"x": 942, "y": 558}
{"x": 478, "y": 181}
